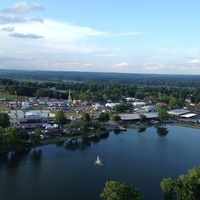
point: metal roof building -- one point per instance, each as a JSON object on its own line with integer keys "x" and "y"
{"x": 129, "y": 117}
{"x": 178, "y": 112}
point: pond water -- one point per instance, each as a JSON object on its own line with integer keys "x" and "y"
{"x": 68, "y": 170}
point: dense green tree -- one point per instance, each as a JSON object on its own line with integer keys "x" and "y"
{"x": 2, "y": 133}
{"x": 186, "y": 187}
{"x": 94, "y": 124}
{"x": 142, "y": 117}
{"x": 35, "y": 137}
{"x": 85, "y": 118}
{"x": 162, "y": 112}
{"x": 75, "y": 127}
{"x": 122, "y": 107}
{"x": 60, "y": 117}
{"x": 114, "y": 190}
{"x": 104, "y": 117}
{"x": 13, "y": 139}
{"x": 4, "y": 120}
{"x": 116, "y": 118}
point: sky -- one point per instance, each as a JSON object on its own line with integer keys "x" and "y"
{"x": 129, "y": 36}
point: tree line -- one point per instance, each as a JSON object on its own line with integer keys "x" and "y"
{"x": 101, "y": 77}
{"x": 100, "y": 92}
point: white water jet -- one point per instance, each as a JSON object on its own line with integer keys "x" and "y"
{"x": 98, "y": 161}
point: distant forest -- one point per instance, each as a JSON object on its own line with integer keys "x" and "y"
{"x": 100, "y": 77}
{"x": 99, "y": 87}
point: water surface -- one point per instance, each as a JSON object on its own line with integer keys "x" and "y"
{"x": 65, "y": 171}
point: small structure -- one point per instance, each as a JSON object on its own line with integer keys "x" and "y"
{"x": 111, "y": 105}
{"x": 72, "y": 118}
{"x": 139, "y": 103}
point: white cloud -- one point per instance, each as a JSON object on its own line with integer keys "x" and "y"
{"x": 194, "y": 62}
{"x": 193, "y": 65}
{"x": 122, "y": 67}
{"x": 22, "y": 7}
{"x": 153, "y": 67}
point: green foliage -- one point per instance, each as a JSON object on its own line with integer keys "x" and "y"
{"x": 104, "y": 117}
{"x": 186, "y": 187}
{"x": 2, "y": 132}
{"x": 14, "y": 139}
{"x": 116, "y": 118}
{"x": 75, "y": 127}
{"x": 85, "y": 118}
{"x": 142, "y": 117}
{"x": 122, "y": 107}
{"x": 114, "y": 190}
{"x": 35, "y": 137}
{"x": 103, "y": 86}
{"x": 162, "y": 112}
{"x": 4, "y": 120}
{"x": 60, "y": 117}
{"x": 94, "y": 124}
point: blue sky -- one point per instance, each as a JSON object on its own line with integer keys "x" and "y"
{"x": 130, "y": 36}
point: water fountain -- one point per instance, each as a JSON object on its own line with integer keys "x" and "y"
{"x": 98, "y": 161}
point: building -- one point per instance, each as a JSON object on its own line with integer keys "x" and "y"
{"x": 182, "y": 114}
{"x": 136, "y": 116}
{"x": 31, "y": 120}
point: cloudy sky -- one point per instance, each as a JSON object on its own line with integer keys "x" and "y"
{"x": 129, "y": 36}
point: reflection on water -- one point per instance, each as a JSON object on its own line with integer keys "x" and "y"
{"x": 142, "y": 129}
{"x": 60, "y": 143}
{"x": 73, "y": 145}
{"x": 36, "y": 155}
{"x": 162, "y": 131}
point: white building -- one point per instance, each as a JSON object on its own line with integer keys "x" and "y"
{"x": 31, "y": 120}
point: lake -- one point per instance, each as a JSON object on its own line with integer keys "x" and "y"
{"x": 67, "y": 171}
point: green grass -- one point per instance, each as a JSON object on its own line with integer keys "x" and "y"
{"x": 11, "y": 97}
{"x": 197, "y": 126}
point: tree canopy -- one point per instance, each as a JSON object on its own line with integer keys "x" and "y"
{"x": 114, "y": 190}
{"x": 35, "y": 137}
{"x": 4, "y": 120}
{"x": 60, "y": 117}
{"x": 104, "y": 117}
{"x": 186, "y": 187}
{"x": 162, "y": 112}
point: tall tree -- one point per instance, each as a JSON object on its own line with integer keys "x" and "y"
{"x": 13, "y": 139}
{"x": 186, "y": 187}
{"x": 114, "y": 190}
{"x": 35, "y": 137}
{"x": 142, "y": 117}
{"x": 85, "y": 118}
{"x": 4, "y": 120}
{"x": 162, "y": 112}
{"x": 60, "y": 117}
{"x": 104, "y": 117}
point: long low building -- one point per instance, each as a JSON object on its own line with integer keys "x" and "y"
{"x": 135, "y": 116}
{"x": 31, "y": 120}
{"x": 178, "y": 112}
{"x": 182, "y": 114}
